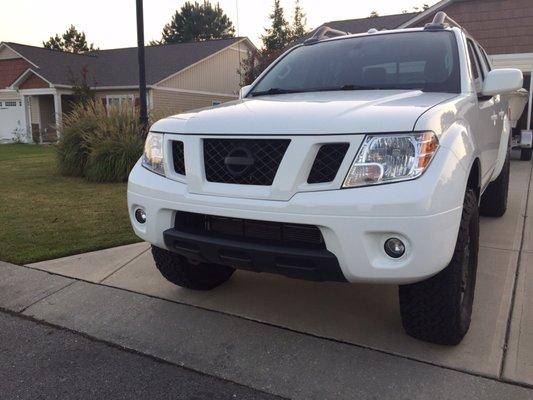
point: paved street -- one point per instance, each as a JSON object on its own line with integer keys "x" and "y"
{"x": 40, "y": 361}
{"x": 296, "y": 339}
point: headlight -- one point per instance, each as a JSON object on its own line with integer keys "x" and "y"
{"x": 154, "y": 154}
{"x": 392, "y": 158}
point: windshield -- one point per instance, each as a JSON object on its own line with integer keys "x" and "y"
{"x": 425, "y": 61}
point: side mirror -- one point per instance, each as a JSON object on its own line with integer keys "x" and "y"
{"x": 502, "y": 81}
{"x": 244, "y": 91}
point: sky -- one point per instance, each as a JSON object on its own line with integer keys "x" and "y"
{"x": 112, "y": 23}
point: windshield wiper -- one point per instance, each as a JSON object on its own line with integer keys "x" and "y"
{"x": 357, "y": 87}
{"x": 273, "y": 91}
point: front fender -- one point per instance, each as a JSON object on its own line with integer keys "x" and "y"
{"x": 459, "y": 140}
{"x": 504, "y": 146}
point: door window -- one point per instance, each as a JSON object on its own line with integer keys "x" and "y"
{"x": 483, "y": 59}
{"x": 477, "y": 72}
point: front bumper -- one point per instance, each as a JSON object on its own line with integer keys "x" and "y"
{"x": 355, "y": 223}
{"x": 299, "y": 263}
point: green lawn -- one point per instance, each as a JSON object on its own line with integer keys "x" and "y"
{"x": 44, "y": 215}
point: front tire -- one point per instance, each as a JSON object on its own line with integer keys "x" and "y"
{"x": 494, "y": 200}
{"x": 439, "y": 309}
{"x": 179, "y": 271}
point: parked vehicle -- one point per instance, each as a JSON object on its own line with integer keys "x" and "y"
{"x": 353, "y": 158}
{"x": 521, "y": 139}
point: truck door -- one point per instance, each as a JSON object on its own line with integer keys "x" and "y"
{"x": 500, "y": 103}
{"x": 488, "y": 125}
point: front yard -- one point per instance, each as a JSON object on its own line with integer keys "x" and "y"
{"x": 45, "y": 215}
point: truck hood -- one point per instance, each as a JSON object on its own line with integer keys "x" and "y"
{"x": 368, "y": 111}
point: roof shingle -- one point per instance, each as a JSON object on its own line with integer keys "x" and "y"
{"x": 361, "y": 25}
{"x": 118, "y": 67}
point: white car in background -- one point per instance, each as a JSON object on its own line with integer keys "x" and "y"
{"x": 353, "y": 158}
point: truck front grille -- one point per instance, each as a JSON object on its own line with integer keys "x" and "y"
{"x": 243, "y": 161}
{"x": 294, "y": 235}
{"x": 327, "y": 162}
{"x": 178, "y": 155}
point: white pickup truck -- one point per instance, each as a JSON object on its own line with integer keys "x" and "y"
{"x": 352, "y": 158}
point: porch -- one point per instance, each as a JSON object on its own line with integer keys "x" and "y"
{"x": 43, "y": 110}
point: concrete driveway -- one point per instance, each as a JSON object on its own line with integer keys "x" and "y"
{"x": 300, "y": 339}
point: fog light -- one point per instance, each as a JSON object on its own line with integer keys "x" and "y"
{"x": 140, "y": 216}
{"x": 394, "y": 248}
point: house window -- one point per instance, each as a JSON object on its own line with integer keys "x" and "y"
{"x": 119, "y": 100}
{"x": 216, "y": 102}
{"x": 11, "y": 103}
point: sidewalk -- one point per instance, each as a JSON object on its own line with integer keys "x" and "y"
{"x": 301, "y": 339}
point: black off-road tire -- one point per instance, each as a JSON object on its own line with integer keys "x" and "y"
{"x": 525, "y": 154}
{"x": 439, "y": 309}
{"x": 181, "y": 272}
{"x": 494, "y": 200}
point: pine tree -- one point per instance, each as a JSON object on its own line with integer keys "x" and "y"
{"x": 275, "y": 41}
{"x": 71, "y": 41}
{"x": 278, "y": 36}
{"x": 299, "y": 22}
{"x": 197, "y": 22}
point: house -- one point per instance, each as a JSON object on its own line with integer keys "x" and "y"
{"x": 361, "y": 25}
{"x": 503, "y": 27}
{"x": 36, "y": 84}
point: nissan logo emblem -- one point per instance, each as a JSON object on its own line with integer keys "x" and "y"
{"x": 239, "y": 161}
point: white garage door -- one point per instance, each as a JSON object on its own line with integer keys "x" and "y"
{"x": 11, "y": 119}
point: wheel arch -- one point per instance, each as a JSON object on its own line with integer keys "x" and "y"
{"x": 474, "y": 177}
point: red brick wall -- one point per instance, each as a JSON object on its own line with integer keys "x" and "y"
{"x": 11, "y": 70}
{"x": 501, "y": 26}
{"x": 33, "y": 82}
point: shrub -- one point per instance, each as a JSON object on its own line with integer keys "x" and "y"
{"x": 71, "y": 148}
{"x": 101, "y": 145}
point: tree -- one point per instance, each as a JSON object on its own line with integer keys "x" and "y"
{"x": 197, "y": 22}
{"x": 278, "y": 36}
{"x": 81, "y": 91}
{"x": 299, "y": 22}
{"x": 71, "y": 41}
{"x": 374, "y": 14}
{"x": 275, "y": 41}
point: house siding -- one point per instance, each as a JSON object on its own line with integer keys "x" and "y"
{"x": 33, "y": 82}
{"x": 7, "y": 54}
{"x": 10, "y": 70}
{"x": 168, "y": 102}
{"x": 10, "y": 95}
{"x": 217, "y": 74}
{"x": 500, "y": 26}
